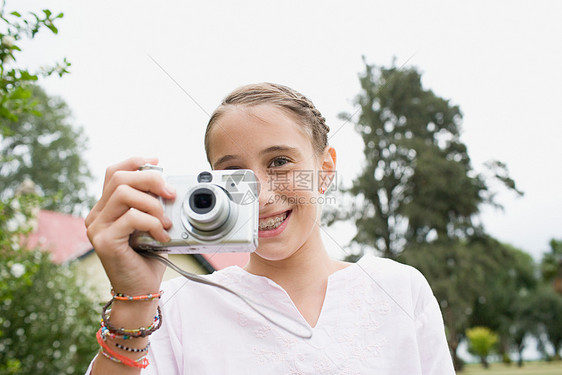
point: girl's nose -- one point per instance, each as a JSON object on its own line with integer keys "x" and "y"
{"x": 266, "y": 191}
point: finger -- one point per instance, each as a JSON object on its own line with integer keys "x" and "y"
{"x": 113, "y": 240}
{"x": 126, "y": 197}
{"x": 131, "y": 164}
{"x": 92, "y": 215}
{"x": 137, "y": 220}
{"x": 146, "y": 181}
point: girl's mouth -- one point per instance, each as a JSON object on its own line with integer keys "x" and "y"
{"x": 273, "y": 225}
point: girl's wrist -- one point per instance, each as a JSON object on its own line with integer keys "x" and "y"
{"x": 129, "y": 314}
{"x": 126, "y": 323}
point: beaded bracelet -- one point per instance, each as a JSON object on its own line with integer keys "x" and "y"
{"x": 140, "y": 361}
{"x": 106, "y": 334}
{"x": 134, "y": 332}
{"x": 106, "y": 351}
{"x": 146, "y": 297}
{"x": 129, "y": 333}
{"x": 133, "y": 350}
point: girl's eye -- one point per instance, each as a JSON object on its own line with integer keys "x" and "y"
{"x": 278, "y": 162}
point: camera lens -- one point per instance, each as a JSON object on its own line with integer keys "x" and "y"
{"x": 202, "y": 201}
{"x": 208, "y": 211}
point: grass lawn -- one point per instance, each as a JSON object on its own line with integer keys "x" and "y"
{"x": 529, "y": 368}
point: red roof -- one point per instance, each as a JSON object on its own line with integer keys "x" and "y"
{"x": 62, "y": 234}
{"x": 65, "y": 237}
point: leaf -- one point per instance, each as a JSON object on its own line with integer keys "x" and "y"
{"x": 53, "y": 28}
{"x": 8, "y": 115}
{"x": 20, "y": 93}
{"x": 26, "y": 76}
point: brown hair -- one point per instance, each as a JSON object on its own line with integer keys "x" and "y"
{"x": 282, "y": 97}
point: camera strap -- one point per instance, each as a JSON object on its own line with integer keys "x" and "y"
{"x": 275, "y": 317}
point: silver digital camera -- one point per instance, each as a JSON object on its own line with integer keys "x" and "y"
{"x": 213, "y": 212}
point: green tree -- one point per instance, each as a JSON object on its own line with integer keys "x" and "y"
{"x": 547, "y": 313}
{"x": 524, "y": 324}
{"x": 503, "y": 297}
{"x": 417, "y": 184}
{"x": 547, "y": 302}
{"x": 47, "y": 320}
{"x": 36, "y": 139}
{"x": 418, "y": 195}
{"x": 459, "y": 272}
{"x": 15, "y": 95}
{"x": 551, "y": 265}
{"x": 481, "y": 342}
{"x": 45, "y": 148}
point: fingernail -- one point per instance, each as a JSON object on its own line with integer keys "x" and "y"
{"x": 167, "y": 222}
{"x": 170, "y": 190}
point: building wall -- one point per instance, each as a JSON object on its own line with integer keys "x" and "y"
{"x": 93, "y": 274}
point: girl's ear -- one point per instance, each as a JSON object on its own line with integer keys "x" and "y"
{"x": 327, "y": 171}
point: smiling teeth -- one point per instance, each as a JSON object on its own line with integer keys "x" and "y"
{"x": 272, "y": 222}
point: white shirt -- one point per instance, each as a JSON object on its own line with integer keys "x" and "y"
{"x": 378, "y": 317}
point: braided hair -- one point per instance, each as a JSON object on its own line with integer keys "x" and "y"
{"x": 283, "y": 97}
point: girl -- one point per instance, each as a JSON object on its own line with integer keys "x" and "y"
{"x": 373, "y": 317}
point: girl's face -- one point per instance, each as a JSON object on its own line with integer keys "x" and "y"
{"x": 271, "y": 143}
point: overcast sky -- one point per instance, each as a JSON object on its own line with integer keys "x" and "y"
{"x": 499, "y": 61}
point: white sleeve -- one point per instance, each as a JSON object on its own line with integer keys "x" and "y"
{"x": 165, "y": 353}
{"x": 434, "y": 351}
{"x": 162, "y": 356}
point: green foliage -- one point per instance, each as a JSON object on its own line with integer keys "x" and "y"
{"x": 36, "y": 140}
{"x": 418, "y": 184}
{"x": 14, "y": 214}
{"x": 417, "y": 198}
{"x": 47, "y": 321}
{"x": 481, "y": 341}
{"x": 15, "y": 95}
{"x": 551, "y": 265}
{"x": 460, "y": 273}
{"x": 547, "y": 313}
{"x": 503, "y": 304}
{"x": 523, "y": 324}
{"x": 46, "y": 149}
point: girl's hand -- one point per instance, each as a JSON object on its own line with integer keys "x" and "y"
{"x": 127, "y": 204}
